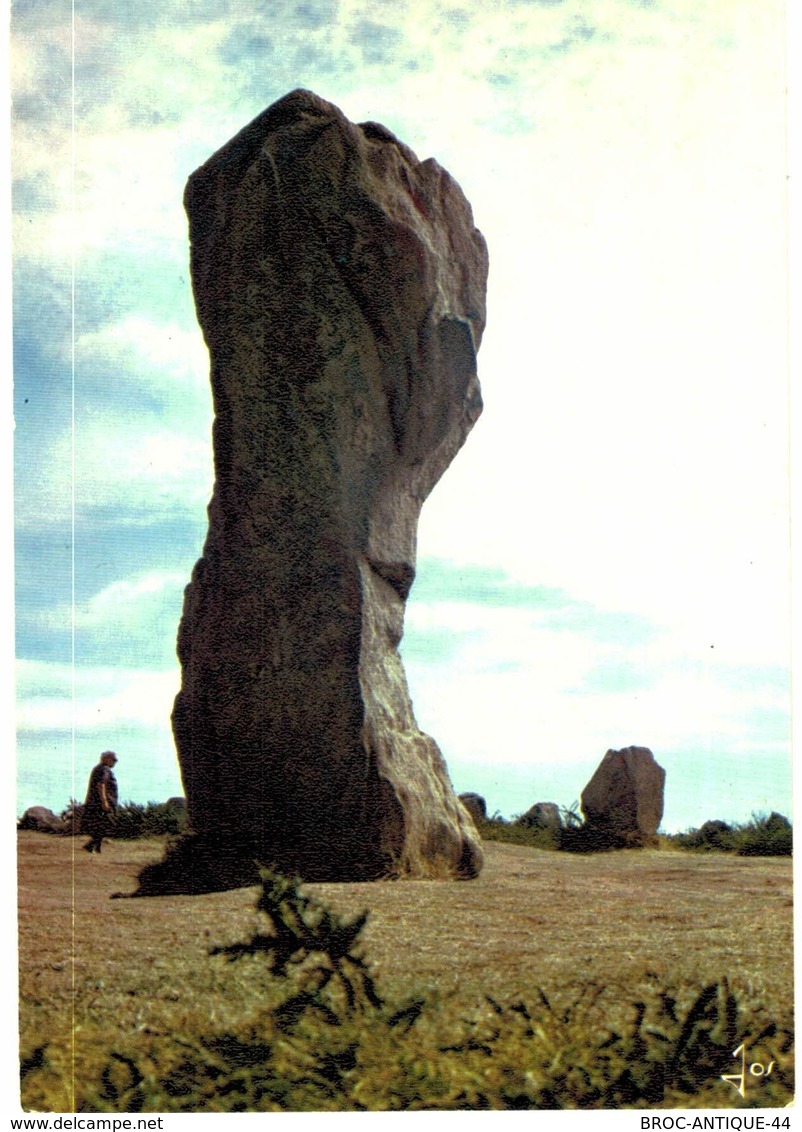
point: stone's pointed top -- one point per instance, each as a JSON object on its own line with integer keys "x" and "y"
{"x": 398, "y": 231}
{"x": 238, "y": 152}
{"x": 293, "y": 109}
{"x": 305, "y": 98}
{"x": 633, "y": 752}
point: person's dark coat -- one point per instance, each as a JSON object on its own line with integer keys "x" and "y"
{"x": 95, "y": 821}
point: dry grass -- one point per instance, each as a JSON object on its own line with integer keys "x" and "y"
{"x": 535, "y": 918}
{"x": 95, "y": 970}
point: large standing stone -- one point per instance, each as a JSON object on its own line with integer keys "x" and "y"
{"x": 340, "y": 285}
{"x": 623, "y": 802}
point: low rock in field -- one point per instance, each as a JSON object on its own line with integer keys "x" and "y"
{"x": 42, "y": 820}
{"x": 475, "y": 805}
{"x": 543, "y": 815}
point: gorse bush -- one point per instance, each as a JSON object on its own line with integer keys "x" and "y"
{"x": 332, "y": 1042}
{"x": 763, "y": 836}
{"x": 155, "y": 819}
{"x": 497, "y": 829}
{"x": 573, "y": 836}
{"x": 306, "y": 932}
{"x": 133, "y": 820}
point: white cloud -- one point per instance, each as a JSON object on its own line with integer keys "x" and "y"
{"x": 113, "y": 171}
{"x": 511, "y": 689}
{"x": 165, "y": 361}
{"x": 528, "y": 717}
{"x": 140, "y": 443}
{"x": 56, "y": 697}
{"x": 138, "y": 607}
{"x": 634, "y": 445}
{"x": 122, "y": 452}
{"x": 163, "y": 468}
{"x": 120, "y": 467}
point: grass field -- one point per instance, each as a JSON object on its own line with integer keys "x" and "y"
{"x": 99, "y": 974}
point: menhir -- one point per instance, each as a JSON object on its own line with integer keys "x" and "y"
{"x": 623, "y": 802}
{"x": 340, "y": 285}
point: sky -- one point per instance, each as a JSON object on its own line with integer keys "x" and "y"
{"x": 606, "y": 562}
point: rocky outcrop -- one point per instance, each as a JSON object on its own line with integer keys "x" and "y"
{"x": 623, "y": 802}
{"x": 475, "y": 804}
{"x": 543, "y": 815}
{"x": 340, "y": 285}
{"x": 42, "y": 820}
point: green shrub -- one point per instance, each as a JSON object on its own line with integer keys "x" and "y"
{"x": 572, "y": 837}
{"x": 331, "y": 1042}
{"x": 304, "y": 931}
{"x": 156, "y": 819}
{"x": 496, "y": 829}
{"x": 763, "y": 836}
{"x": 132, "y": 820}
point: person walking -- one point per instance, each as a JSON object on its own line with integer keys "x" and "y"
{"x": 101, "y": 802}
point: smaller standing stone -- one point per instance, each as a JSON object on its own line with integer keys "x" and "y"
{"x": 623, "y": 802}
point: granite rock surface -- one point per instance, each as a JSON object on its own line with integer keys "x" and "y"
{"x": 623, "y": 802}
{"x": 340, "y": 286}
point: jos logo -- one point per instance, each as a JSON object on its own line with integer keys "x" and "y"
{"x": 756, "y": 1069}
